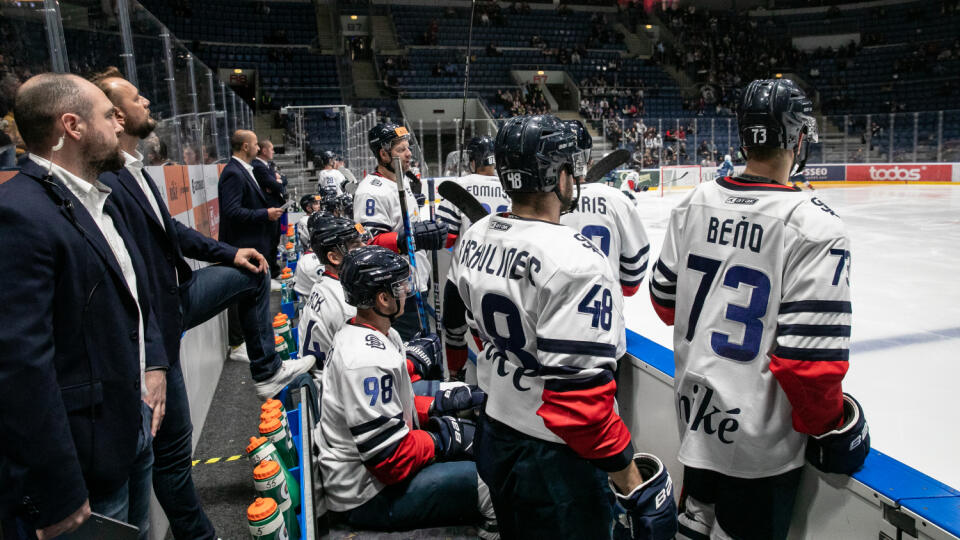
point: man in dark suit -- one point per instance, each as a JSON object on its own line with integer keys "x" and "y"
{"x": 182, "y": 298}
{"x": 78, "y": 341}
{"x": 265, "y": 171}
{"x": 247, "y": 220}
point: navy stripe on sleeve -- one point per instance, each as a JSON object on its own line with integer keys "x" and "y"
{"x": 637, "y": 257}
{"x": 637, "y": 272}
{"x": 378, "y": 439}
{"x": 373, "y": 424}
{"x": 569, "y": 346}
{"x": 382, "y": 455}
{"x": 829, "y": 355}
{"x": 568, "y": 385}
{"x": 814, "y": 330}
{"x": 665, "y": 289}
{"x": 816, "y": 306}
{"x": 446, "y": 210}
{"x": 631, "y": 283}
{"x": 665, "y": 271}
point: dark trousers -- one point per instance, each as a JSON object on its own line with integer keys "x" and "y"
{"x": 214, "y": 289}
{"x": 745, "y": 508}
{"x": 541, "y": 489}
{"x": 210, "y": 291}
{"x": 441, "y": 494}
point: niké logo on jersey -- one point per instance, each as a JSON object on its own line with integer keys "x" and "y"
{"x": 698, "y": 411}
{"x": 374, "y": 342}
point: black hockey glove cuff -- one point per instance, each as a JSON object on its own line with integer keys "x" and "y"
{"x": 457, "y": 399}
{"x": 452, "y": 438}
{"x": 844, "y": 449}
{"x": 425, "y": 353}
{"x": 651, "y": 511}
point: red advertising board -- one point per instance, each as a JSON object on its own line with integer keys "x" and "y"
{"x": 900, "y": 172}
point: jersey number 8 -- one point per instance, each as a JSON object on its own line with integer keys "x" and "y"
{"x": 382, "y": 388}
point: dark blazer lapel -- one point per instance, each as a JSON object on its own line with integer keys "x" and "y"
{"x": 251, "y": 178}
{"x": 78, "y": 216}
{"x": 129, "y": 182}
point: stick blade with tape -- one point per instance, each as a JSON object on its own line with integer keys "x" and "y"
{"x": 610, "y": 162}
{"x": 463, "y": 200}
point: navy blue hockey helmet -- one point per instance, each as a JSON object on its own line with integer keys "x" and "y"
{"x": 373, "y": 269}
{"x": 327, "y": 157}
{"x": 481, "y": 152}
{"x": 531, "y": 151}
{"x": 328, "y": 198}
{"x": 315, "y": 218}
{"x": 776, "y": 113}
{"x": 345, "y": 202}
{"x": 384, "y": 135}
{"x": 330, "y": 232}
{"x": 308, "y": 201}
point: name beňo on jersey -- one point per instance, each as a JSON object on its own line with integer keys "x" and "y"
{"x": 737, "y": 233}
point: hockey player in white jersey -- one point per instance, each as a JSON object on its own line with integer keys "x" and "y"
{"x": 754, "y": 277}
{"x": 329, "y": 175}
{"x": 549, "y": 312}
{"x": 309, "y": 267}
{"x": 377, "y": 207}
{"x": 612, "y": 222}
{"x": 381, "y": 469}
{"x": 483, "y": 184}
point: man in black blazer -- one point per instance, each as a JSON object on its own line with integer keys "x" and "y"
{"x": 182, "y": 298}
{"x": 265, "y": 171}
{"x": 78, "y": 339}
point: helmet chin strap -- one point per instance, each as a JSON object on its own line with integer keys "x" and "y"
{"x": 394, "y": 316}
{"x": 800, "y": 155}
{"x": 574, "y": 202}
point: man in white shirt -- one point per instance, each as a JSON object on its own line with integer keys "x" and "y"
{"x": 78, "y": 332}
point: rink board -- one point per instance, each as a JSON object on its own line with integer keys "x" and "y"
{"x": 828, "y": 505}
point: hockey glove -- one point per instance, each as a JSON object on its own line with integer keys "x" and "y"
{"x": 425, "y": 354}
{"x": 457, "y": 399}
{"x": 427, "y": 235}
{"x": 452, "y": 438}
{"x": 421, "y": 199}
{"x": 651, "y": 509}
{"x": 844, "y": 449}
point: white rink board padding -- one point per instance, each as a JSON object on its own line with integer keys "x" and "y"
{"x": 881, "y": 497}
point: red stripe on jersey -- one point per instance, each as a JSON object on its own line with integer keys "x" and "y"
{"x": 456, "y": 358}
{"x": 666, "y": 314}
{"x": 814, "y": 391}
{"x": 630, "y": 291}
{"x": 414, "y": 452}
{"x": 476, "y": 339}
{"x": 414, "y": 377}
{"x": 387, "y": 240}
{"x": 755, "y": 184}
{"x": 451, "y": 240}
{"x": 422, "y": 404}
{"x": 585, "y": 420}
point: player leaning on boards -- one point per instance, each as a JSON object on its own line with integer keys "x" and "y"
{"x": 380, "y": 470}
{"x": 482, "y": 183}
{"x": 377, "y": 207}
{"x": 612, "y": 221}
{"x": 754, "y": 276}
{"x": 550, "y": 314}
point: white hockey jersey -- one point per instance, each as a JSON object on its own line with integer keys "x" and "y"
{"x": 324, "y": 314}
{"x": 545, "y": 303}
{"x": 488, "y": 192}
{"x": 332, "y": 178}
{"x": 755, "y": 278}
{"x": 609, "y": 219}
{"x": 368, "y": 417}
{"x": 376, "y": 205}
{"x": 303, "y": 234}
{"x": 308, "y": 272}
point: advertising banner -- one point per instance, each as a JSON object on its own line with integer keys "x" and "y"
{"x": 824, "y": 173}
{"x": 900, "y": 172}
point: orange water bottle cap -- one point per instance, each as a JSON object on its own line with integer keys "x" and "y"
{"x": 266, "y": 416}
{"x": 256, "y": 442}
{"x": 277, "y": 340}
{"x": 261, "y": 509}
{"x": 265, "y": 469}
{"x": 271, "y": 404}
{"x": 269, "y": 426}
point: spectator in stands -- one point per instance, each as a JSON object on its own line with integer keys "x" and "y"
{"x": 181, "y": 297}
{"x": 190, "y": 155}
{"x": 78, "y": 330}
{"x": 265, "y": 171}
{"x": 247, "y": 221}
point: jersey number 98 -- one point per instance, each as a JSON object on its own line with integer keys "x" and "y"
{"x": 382, "y": 388}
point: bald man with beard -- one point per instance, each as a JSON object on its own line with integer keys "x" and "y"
{"x": 77, "y": 332}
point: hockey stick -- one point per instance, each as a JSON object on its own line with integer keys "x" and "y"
{"x": 610, "y": 162}
{"x": 432, "y": 193}
{"x": 411, "y": 248}
{"x": 463, "y": 200}
{"x": 466, "y": 84}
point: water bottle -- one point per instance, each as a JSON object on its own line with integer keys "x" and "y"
{"x": 265, "y": 521}
{"x": 281, "y": 347}
{"x": 261, "y": 448}
{"x": 273, "y": 430}
{"x": 281, "y": 327}
{"x": 270, "y": 483}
